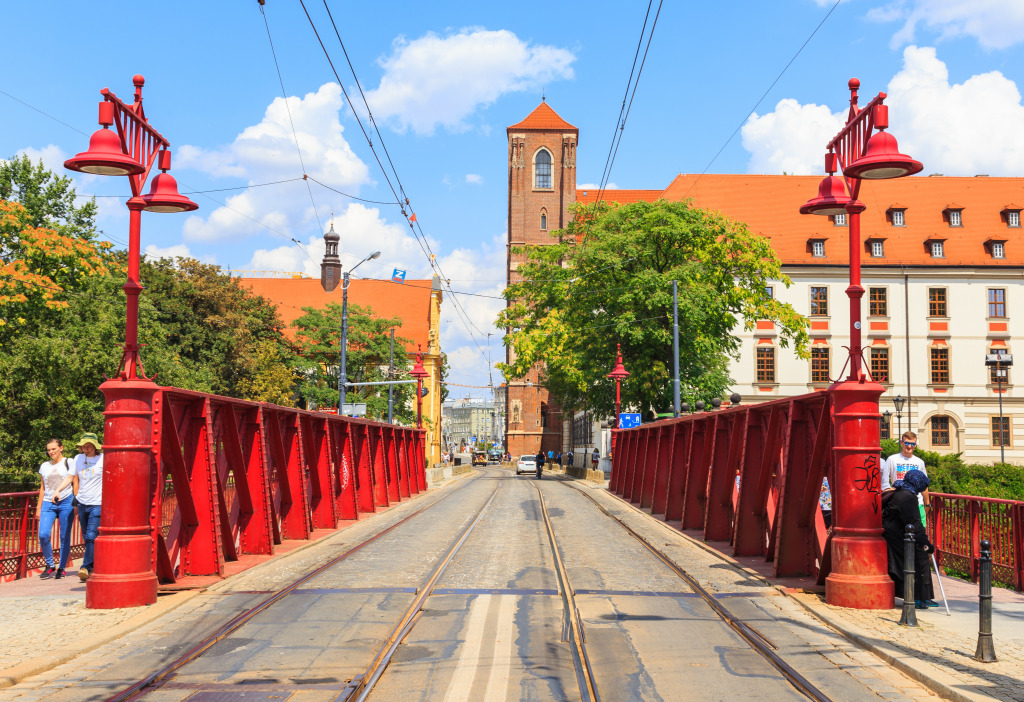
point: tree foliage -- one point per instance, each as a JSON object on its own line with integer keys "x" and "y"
{"x": 318, "y": 335}
{"x": 577, "y": 300}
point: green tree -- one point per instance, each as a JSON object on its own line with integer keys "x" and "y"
{"x": 608, "y": 279}
{"x": 48, "y": 199}
{"x": 318, "y": 337}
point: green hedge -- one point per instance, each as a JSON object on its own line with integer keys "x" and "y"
{"x": 950, "y": 474}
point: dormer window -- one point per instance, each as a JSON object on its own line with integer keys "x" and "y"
{"x": 542, "y": 170}
{"x": 839, "y": 220}
{"x": 818, "y": 248}
{"x": 953, "y": 214}
{"x": 998, "y": 250}
{"x": 897, "y": 215}
{"x": 1011, "y": 215}
{"x": 938, "y": 249}
{"x": 877, "y": 248}
{"x": 954, "y": 218}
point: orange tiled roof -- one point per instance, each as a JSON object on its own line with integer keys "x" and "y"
{"x": 543, "y": 118}
{"x": 769, "y": 204}
{"x": 409, "y": 301}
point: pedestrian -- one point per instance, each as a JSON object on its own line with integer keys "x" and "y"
{"x": 540, "y": 463}
{"x": 88, "y": 485}
{"x": 897, "y": 465}
{"x": 559, "y": 459}
{"x": 900, "y": 508}
{"x": 55, "y": 505}
{"x": 594, "y": 458}
{"x": 825, "y": 500}
{"x": 568, "y": 459}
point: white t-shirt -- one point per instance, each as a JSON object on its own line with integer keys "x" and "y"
{"x": 90, "y": 478}
{"x": 52, "y": 477}
{"x": 896, "y": 466}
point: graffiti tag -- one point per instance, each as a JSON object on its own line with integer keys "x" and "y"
{"x": 869, "y": 477}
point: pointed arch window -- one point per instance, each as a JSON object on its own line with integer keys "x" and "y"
{"x": 542, "y": 170}
{"x": 543, "y": 219}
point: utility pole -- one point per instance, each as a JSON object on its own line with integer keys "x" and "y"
{"x": 391, "y": 376}
{"x": 675, "y": 348}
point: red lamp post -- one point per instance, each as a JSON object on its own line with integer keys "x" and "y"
{"x": 618, "y": 373}
{"x": 419, "y": 372}
{"x": 859, "y": 576}
{"x": 124, "y": 572}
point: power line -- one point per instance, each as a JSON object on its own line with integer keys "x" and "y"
{"x": 763, "y": 96}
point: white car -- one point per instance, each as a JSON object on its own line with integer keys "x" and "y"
{"x": 526, "y": 464}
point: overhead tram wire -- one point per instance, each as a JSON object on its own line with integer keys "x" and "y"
{"x": 761, "y": 99}
{"x": 399, "y": 194}
{"x": 291, "y": 122}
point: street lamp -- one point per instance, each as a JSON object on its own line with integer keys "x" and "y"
{"x": 887, "y": 423}
{"x": 124, "y": 573}
{"x": 859, "y": 577}
{"x": 898, "y": 403}
{"x": 618, "y": 373}
{"x": 419, "y": 372}
{"x": 342, "y": 370}
{"x": 1000, "y": 361}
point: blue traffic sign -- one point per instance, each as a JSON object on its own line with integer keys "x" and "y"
{"x": 629, "y": 420}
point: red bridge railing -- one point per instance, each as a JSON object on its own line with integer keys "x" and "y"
{"x": 749, "y": 475}
{"x": 962, "y": 522}
{"x": 232, "y": 478}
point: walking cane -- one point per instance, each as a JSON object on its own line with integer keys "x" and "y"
{"x": 941, "y": 589}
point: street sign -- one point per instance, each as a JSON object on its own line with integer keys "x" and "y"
{"x": 398, "y": 276}
{"x": 629, "y": 420}
{"x": 353, "y": 409}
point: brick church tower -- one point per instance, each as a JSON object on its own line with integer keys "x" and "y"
{"x": 541, "y": 189}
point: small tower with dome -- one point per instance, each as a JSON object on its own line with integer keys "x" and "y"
{"x": 330, "y": 267}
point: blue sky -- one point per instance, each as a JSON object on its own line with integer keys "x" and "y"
{"x": 445, "y": 79}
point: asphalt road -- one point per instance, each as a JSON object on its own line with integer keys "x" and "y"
{"x": 493, "y": 627}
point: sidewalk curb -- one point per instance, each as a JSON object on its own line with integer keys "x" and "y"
{"x": 936, "y": 679}
{"x": 41, "y": 664}
{"x": 924, "y": 672}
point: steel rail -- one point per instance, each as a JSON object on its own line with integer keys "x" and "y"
{"x": 580, "y": 659}
{"x": 756, "y": 641}
{"x": 361, "y": 690}
{"x": 155, "y": 680}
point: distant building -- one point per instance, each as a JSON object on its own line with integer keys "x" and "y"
{"x": 467, "y": 419}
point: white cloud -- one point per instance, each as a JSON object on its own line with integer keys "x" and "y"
{"x": 956, "y": 129}
{"x": 266, "y": 152}
{"x": 176, "y": 251}
{"x": 439, "y": 81}
{"x": 595, "y": 186}
{"x": 791, "y": 139}
{"x": 996, "y": 24}
{"x": 474, "y": 178}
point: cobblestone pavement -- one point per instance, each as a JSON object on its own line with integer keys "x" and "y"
{"x": 492, "y": 629}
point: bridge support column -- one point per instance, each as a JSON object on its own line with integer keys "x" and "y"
{"x": 124, "y": 548}
{"x": 859, "y": 576}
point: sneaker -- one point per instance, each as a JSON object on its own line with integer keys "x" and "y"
{"x": 83, "y": 574}
{"x": 48, "y": 573}
{"x": 59, "y": 574}
{"x": 931, "y": 603}
{"x": 921, "y": 604}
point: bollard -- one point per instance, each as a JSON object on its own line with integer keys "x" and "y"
{"x": 986, "y": 652}
{"x": 909, "y": 617}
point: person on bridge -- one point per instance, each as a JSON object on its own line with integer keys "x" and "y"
{"x": 900, "y": 508}
{"x": 55, "y": 504}
{"x": 540, "y": 463}
{"x": 88, "y": 476}
{"x": 568, "y": 458}
{"x": 897, "y": 465}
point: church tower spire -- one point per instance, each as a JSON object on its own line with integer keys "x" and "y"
{"x": 330, "y": 266}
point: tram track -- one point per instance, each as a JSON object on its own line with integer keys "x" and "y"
{"x": 155, "y": 680}
{"x": 761, "y": 645}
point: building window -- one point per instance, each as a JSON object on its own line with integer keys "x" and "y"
{"x": 997, "y": 302}
{"x": 954, "y": 218}
{"x": 1013, "y": 218}
{"x": 936, "y": 302}
{"x": 765, "y": 364}
{"x": 839, "y": 220}
{"x": 898, "y": 218}
{"x": 994, "y": 372}
{"x": 820, "y": 366}
{"x": 1000, "y": 431}
{"x": 938, "y": 249}
{"x": 940, "y": 431}
{"x": 819, "y": 301}
{"x": 543, "y": 220}
{"x": 769, "y": 292}
{"x": 542, "y": 170}
{"x": 877, "y": 248}
{"x": 880, "y": 364}
{"x": 877, "y": 302}
{"x": 998, "y": 249}
{"x": 818, "y": 249}
{"x": 939, "y": 365}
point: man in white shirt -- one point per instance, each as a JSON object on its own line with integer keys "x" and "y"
{"x": 897, "y": 465}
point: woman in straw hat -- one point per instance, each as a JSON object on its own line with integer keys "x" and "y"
{"x": 87, "y": 474}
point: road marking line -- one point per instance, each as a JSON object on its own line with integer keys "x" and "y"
{"x": 497, "y": 684}
{"x": 469, "y": 660}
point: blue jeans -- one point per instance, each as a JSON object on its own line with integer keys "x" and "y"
{"x": 61, "y": 512}
{"x": 89, "y": 518}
